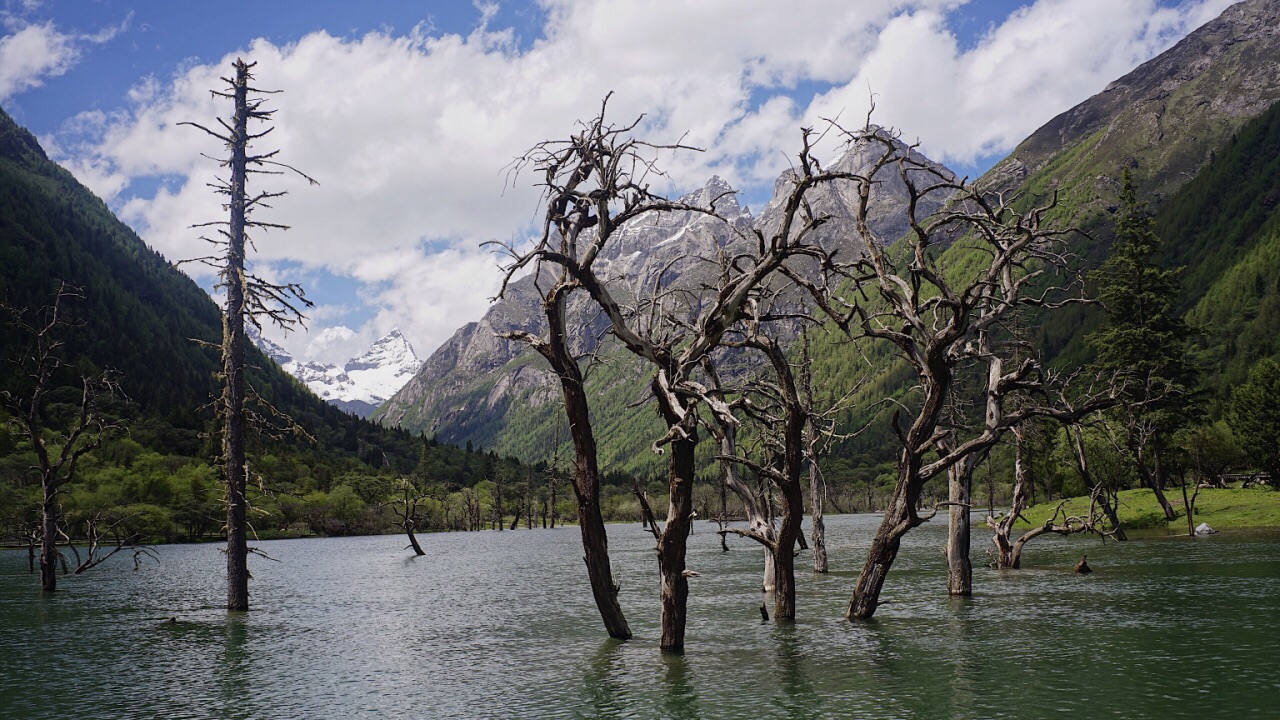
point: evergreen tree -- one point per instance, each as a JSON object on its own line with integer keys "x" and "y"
{"x": 1255, "y": 417}
{"x": 1145, "y": 338}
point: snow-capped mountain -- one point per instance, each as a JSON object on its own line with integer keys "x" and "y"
{"x": 361, "y": 384}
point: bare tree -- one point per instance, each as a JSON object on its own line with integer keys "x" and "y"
{"x": 248, "y": 298}
{"x": 1009, "y": 551}
{"x": 411, "y": 497}
{"x": 58, "y": 447}
{"x": 818, "y": 428}
{"x": 935, "y": 321}
{"x": 596, "y": 183}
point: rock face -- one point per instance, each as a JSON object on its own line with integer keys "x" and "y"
{"x": 467, "y": 388}
{"x": 1164, "y": 118}
{"x": 361, "y": 384}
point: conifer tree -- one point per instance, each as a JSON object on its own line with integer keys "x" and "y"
{"x": 1145, "y": 338}
{"x": 1255, "y": 417}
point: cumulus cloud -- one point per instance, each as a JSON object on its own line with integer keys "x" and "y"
{"x": 1044, "y": 59}
{"x": 411, "y": 136}
{"x": 33, "y": 52}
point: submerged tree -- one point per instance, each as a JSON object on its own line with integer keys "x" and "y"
{"x": 936, "y": 319}
{"x": 60, "y": 434}
{"x": 248, "y": 299}
{"x": 596, "y": 183}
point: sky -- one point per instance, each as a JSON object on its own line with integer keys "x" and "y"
{"x": 410, "y": 112}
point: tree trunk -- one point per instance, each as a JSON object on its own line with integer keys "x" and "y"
{"x": 884, "y": 550}
{"x": 672, "y": 545}
{"x": 586, "y": 476}
{"x": 1076, "y": 436}
{"x": 959, "y": 566}
{"x": 49, "y": 539}
{"x": 1007, "y": 552}
{"x": 233, "y": 352}
{"x": 1151, "y": 480}
{"x": 784, "y": 561}
{"x": 413, "y": 539}
{"x": 818, "y": 532}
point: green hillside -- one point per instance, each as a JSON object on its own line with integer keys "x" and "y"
{"x": 140, "y": 316}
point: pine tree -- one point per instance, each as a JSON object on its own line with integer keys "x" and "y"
{"x": 1255, "y": 417}
{"x": 1145, "y": 338}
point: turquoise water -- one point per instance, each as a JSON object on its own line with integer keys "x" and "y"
{"x": 500, "y": 624}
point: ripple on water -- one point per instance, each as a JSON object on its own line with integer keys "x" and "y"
{"x": 502, "y": 625}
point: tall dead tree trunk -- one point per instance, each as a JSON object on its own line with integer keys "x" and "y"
{"x": 812, "y": 440}
{"x": 959, "y": 495}
{"x": 673, "y": 538}
{"x": 555, "y": 348}
{"x": 247, "y": 297}
{"x": 233, "y": 351}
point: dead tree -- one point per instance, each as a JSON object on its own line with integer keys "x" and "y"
{"x": 411, "y": 497}
{"x": 1008, "y": 551}
{"x": 106, "y": 534}
{"x": 935, "y": 322}
{"x": 58, "y": 449}
{"x": 596, "y": 183}
{"x": 780, "y": 408}
{"x": 818, "y": 429}
{"x": 755, "y": 507}
{"x": 248, "y": 298}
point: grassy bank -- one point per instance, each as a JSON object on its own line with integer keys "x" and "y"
{"x": 1222, "y": 508}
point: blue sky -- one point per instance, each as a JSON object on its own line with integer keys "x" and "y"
{"x": 407, "y": 112}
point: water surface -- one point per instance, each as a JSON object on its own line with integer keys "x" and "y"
{"x": 501, "y": 624}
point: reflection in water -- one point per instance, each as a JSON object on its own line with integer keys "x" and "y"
{"x": 603, "y": 687}
{"x": 680, "y": 700}
{"x": 232, "y": 674}
{"x": 956, "y": 631}
{"x": 798, "y": 697}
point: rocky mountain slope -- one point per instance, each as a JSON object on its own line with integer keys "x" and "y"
{"x": 495, "y": 393}
{"x": 1166, "y": 121}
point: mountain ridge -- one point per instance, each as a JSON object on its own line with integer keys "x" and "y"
{"x": 359, "y": 385}
{"x": 1164, "y": 120}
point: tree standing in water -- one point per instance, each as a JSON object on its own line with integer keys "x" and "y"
{"x": 248, "y": 299}
{"x": 57, "y": 457}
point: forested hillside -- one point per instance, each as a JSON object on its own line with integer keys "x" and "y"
{"x": 141, "y": 317}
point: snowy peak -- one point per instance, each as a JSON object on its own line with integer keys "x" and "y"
{"x": 393, "y": 350}
{"x": 361, "y": 384}
{"x": 272, "y": 350}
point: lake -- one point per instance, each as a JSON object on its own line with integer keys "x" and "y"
{"x": 501, "y": 624}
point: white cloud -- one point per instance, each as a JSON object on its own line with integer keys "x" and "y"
{"x": 1044, "y": 59}
{"x": 410, "y": 135}
{"x": 331, "y": 345}
{"x": 32, "y": 52}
